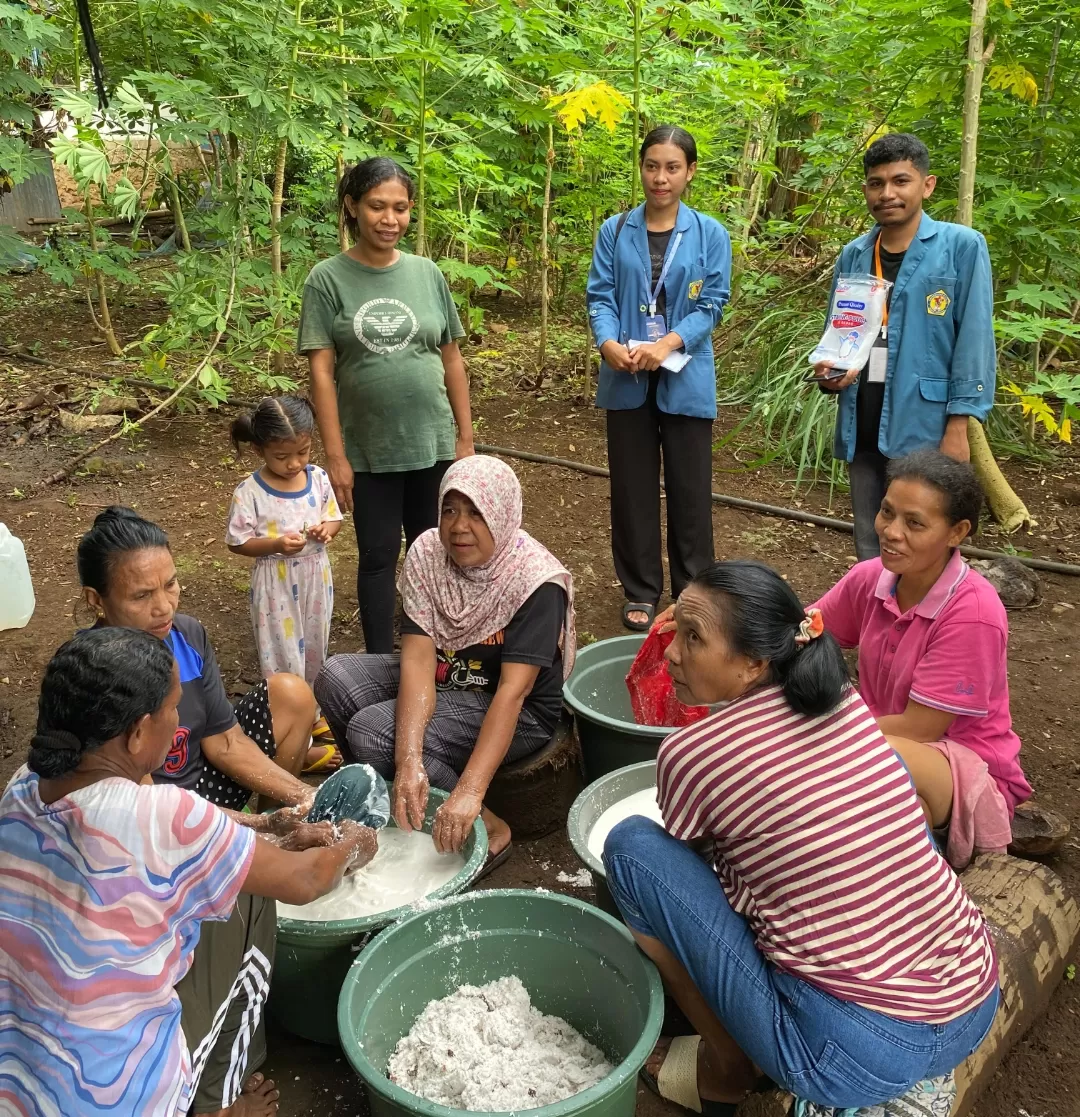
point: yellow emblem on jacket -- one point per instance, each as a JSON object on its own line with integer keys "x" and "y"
{"x": 937, "y": 303}
{"x": 695, "y": 288}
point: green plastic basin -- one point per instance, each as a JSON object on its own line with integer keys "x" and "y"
{"x": 575, "y": 961}
{"x": 596, "y": 692}
{"x": 314, "y": 956}
{"x": 591, "y": 804}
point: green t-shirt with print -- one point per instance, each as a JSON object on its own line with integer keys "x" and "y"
{"x": 386, "y": 326}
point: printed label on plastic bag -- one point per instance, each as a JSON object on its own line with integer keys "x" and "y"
{"x": 855, "y": 317}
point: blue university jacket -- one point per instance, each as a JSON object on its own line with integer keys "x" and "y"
{"x": 697, "y": 286}
{"x": 942, "y": 359}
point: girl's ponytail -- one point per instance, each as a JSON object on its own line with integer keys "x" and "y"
{"x": 763, "y": 619}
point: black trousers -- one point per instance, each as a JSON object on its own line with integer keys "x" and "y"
{"x": 383, "y": 504}
{"x": 637, "y": 441}
{"x": 866, "y": 472}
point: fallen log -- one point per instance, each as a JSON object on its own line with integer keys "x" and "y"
{"x": 1035, "y": 925}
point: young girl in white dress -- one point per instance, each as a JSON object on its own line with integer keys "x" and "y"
{"x": 283, "y": 515}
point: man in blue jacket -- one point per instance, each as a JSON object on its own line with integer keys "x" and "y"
{"x": 934, "y": 363}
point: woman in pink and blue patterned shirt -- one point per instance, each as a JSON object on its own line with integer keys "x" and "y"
{"x": 105, "y": 880}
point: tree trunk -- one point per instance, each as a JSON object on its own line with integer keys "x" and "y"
{"x": 545, "y": 260}
{"x": 635, "y": 7}
{"x": 594, "y": 215}
{"x": 343, "y": 232}
{"x": 1005, "y": 506}
{"x": 178, "y": 213}
{"x": 760, "y": 140}
{"x": 278, "y": 199}
{"x": 421, "y": 169}
{"x": 99, "y": 282}
{"x": 977, "y": 58}
{"x": 424, "y": 30}
{"x": 237, "y": 160}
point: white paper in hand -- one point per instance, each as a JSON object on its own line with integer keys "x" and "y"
{"x": 673, "y": 362}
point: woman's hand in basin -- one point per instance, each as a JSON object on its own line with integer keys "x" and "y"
{"x": 410, "y": 795}
{"x": 454, "y": 819}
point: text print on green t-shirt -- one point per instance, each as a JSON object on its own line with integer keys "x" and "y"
{"x": 386, "y": 327}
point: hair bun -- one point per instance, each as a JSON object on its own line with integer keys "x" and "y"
{"x": 56, "y": 740}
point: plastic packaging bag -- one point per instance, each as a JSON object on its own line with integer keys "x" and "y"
{"x": 652, "y": 694}
{"x": 855, "y": 316}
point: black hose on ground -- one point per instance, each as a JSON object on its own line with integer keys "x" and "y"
{"x": 773, "y": 509}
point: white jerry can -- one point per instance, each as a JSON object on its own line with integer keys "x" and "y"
{"x": 16, "y": 589}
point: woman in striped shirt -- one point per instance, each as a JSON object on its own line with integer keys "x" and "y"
{"x": 827, "y": 945}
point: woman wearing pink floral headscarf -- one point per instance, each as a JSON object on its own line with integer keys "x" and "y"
{"x": 487, "y": 639}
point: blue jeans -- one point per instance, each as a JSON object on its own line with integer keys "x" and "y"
{"x": 817, "y": 1046}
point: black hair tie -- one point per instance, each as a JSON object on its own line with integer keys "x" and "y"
{"x": 56, "y": 740}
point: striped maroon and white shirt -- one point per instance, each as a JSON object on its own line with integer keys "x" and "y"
{"x": 820, "y": 843}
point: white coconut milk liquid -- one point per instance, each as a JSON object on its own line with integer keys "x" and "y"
{"x": 406, "y": 869}
{"x": 641, "y": 802}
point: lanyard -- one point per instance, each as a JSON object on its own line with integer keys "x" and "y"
{"x": 877, "y": 272}
{"x": 673, "y": 247}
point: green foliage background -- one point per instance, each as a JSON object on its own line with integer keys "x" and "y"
{"x": 782, "y": 95}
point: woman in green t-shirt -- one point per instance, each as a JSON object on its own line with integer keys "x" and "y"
{"x": 380, "y": 331}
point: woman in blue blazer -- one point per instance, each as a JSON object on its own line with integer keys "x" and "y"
{"x": 659, "y": 279}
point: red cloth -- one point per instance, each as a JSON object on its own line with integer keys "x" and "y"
{"x": 652, "y": 694}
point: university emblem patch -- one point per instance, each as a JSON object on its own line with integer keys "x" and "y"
{"x": 937, "y": 304}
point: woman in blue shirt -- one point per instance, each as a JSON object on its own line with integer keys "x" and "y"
{"x": 659, "y": 279}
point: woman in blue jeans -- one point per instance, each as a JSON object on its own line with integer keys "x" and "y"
{"x": 822, "y": 940}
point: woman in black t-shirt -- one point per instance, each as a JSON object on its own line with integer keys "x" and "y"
{"x": 488, "y": 638}
{"x": 223, "y": 754}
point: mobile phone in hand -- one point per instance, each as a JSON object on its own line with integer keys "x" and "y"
{"x": 830, "y": 374}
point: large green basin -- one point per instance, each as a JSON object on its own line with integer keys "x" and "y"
{"x": 591, "y": 804}
{"x": 313, "y": 956}
{"x": 596, "y": 692}
{"x": 575, "y": 961}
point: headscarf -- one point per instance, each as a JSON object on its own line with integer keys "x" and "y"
{"x": 459, "y": 607}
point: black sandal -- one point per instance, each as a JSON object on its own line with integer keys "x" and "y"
{"x": 682, "y": 1089}
{"x": 494, "y": 861}
{"x": 638, "y": 607}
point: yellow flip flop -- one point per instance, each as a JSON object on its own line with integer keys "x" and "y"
{"x": 325, "y": 762}
{"x": 322, "y": 734}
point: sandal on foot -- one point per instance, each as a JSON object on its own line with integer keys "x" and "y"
{"x": 638, "y": 607}
{"x": 322, "y": 734}
{"x": 494, "y": 860}
{"x": 325, "y": 763}
{"x": 677, "y": 1080}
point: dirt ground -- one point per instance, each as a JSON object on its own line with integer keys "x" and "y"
{"x": 181, "y": 472}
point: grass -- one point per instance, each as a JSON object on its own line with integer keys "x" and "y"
{"x": 787, "y": 422}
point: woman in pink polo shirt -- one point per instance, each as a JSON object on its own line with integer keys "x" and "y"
{"x": 932, "y": 637}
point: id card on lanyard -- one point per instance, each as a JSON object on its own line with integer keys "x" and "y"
{"x": 655, "y": 327}
{"x": 879, "y": 355}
